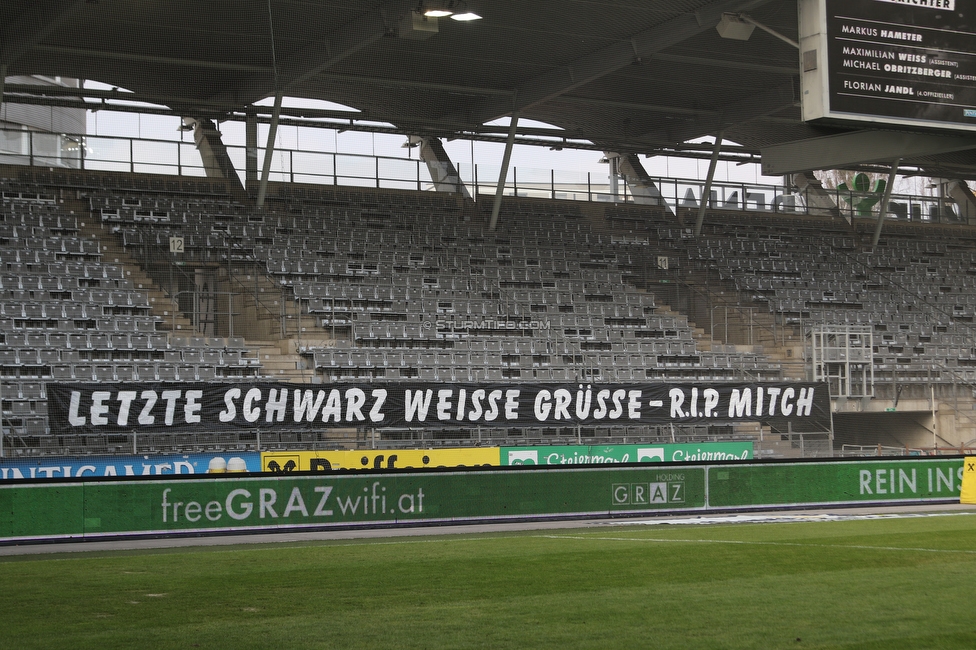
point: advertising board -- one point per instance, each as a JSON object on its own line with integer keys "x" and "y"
{"x": 99, "y": 507}
{"x": 40, "y": 467}
{"x": 828, "y": 482}
{"x": 282, "y": 462}
{"x": 260, "y": 503}
{"x": 602, "y": 454}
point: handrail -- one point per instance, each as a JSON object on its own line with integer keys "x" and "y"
{"x": 712, "y": 298}
{"x": 217, "y": 312}
{"x": 258, "y": 302}
{"x": 888, "y": 450}
{"x": 179, "y": 158}
{"x": 963, "y": 381}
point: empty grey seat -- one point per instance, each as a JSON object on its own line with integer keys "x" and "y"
{"x": 166, "y": 372}
{"x": 62, "y": 373}
{"x": 105, "y": 373}
{"x": 147, "y": 372}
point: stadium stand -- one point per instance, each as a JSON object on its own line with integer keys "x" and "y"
{"x": 382, "y": 285}
{"x": 68, "y": 315}
{"x": 914, "y": 289}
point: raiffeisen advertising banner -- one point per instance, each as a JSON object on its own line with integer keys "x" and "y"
{"x": 282, "y": 462}
{"x": 94, "y": 409}
{"x": 142, "y": 465}
{"x": 597, "y": 455}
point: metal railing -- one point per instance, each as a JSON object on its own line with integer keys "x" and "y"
{"x": 255, "y": 291}
{"x": 208, "y": 321}
{"x": 884, "y": 450}
{"x": 877, "y": 450}
{"x": 178, "y": 158}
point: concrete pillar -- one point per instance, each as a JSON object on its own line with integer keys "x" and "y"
{"x": 440, "y": 166}
{"x": 642, "y": 188}
{"x": 964, "y": 198}
{"x": 819, "y": 201}
{"x": 216, "y": 161}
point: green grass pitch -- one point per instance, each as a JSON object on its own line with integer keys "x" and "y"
{"x": 880, "y": 583}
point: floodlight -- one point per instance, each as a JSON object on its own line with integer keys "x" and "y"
{"x": 456, "y": 9}
{"x": 732, "y": 26}
{"x": 436, "y": 8}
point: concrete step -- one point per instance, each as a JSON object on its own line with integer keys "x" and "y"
{"x": 160, "y": 303}
{"x": 281, "y": 366}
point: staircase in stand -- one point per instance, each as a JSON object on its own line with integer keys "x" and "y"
{"x": 278, "y": 363}
{"x": 161, "y": 304}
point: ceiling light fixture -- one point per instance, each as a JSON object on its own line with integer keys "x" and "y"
{"x": 456, "y": 9}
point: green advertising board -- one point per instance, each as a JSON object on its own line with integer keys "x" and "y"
{"x": 95, "y": 507}
{"x": 736, "y": 486}
{"x": 42, "y": 510}
{"x": 597, "y": 454}
{"x": 256, "y": 503}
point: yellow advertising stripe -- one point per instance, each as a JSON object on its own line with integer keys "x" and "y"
{"x": 967, "y": 493}
{"x": 303, "y": 461}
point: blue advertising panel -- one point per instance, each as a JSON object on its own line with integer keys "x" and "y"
{"x": 135, "y": 465}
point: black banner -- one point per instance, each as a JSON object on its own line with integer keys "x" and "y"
{"x": 268, "y": 406}
{"x": 909, "y": 60}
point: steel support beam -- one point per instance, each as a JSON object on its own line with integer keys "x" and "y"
{"x": 731, "y": 153}
{"x": 507, "y": 95}
{"x": 345, "y": 41}
{"x": 503, "y": 173}
{"x": 393, "y": 83}
{"x": 771, "y": 32}
{"x": 33, "y": 26}
{"x": 752, "y": 107}
{"x": 707, "y": 192}
{"x": 250, "y": 146}
{"x": 35, "y": 94}
{"x": 62, "y": 50}
{"x": 883, "y": 208}
{"x": 727, "y": 64}
{"x": 848, "y": 149}
{"x": 67, "y": 97}
{"x": 598, "y": 64}
{"x": 269, "y": 152}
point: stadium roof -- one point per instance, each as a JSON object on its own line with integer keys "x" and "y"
{"x": 630, "y": 75}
